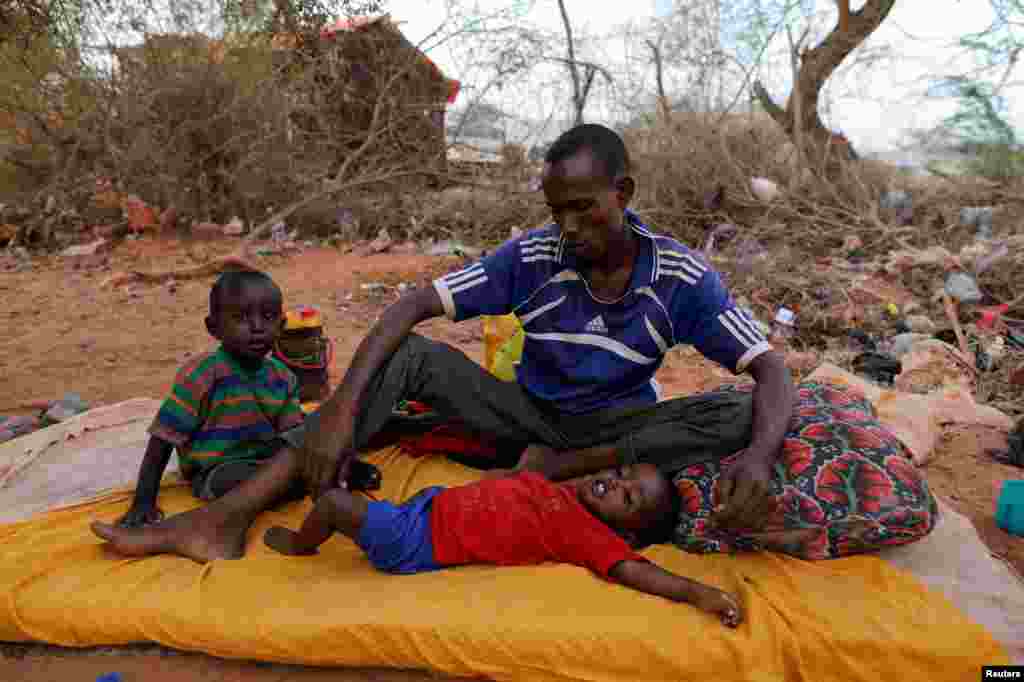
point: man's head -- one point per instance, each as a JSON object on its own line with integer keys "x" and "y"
{"x": 636, "y": 501}
{"x": 587, "y": 185}
{"x": 246, "y": 313}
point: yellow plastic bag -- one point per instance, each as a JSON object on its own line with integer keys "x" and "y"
{"x": 503, "y": 345}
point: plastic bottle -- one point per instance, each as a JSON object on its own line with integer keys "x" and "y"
{"x": 783, "y": 327}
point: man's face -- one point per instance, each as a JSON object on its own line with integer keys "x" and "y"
{"x": 627, "y": 497}
{"x": 248, "y": 320}
{"x": 585, "y": 204}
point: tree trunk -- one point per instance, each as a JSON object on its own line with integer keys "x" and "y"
{"x": 816, "y": 66}
{"x": 578, "y": 98}
{"x": 659, "y": 79}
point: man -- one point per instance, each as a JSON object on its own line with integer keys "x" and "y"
{"x": 601, "y": 300}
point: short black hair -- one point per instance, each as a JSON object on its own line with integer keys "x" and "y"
{"x": 663, "y": 529}
{"x": 603, "y": 143}
{"x": 232, "y": 280}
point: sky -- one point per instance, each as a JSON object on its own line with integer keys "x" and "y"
{"x": 874, "y": 108}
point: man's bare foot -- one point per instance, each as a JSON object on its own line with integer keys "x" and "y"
{"x": 722, "y": 604}
{"x": 200, "y": 534}
{"x": 285, "y": 541}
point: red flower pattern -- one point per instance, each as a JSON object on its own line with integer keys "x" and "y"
{"x": 851, "y": 505}
{"x": 853, "y": 481}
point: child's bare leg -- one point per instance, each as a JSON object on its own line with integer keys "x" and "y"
{"x": 216, "y": 530}
{"x": 336, "y": 511}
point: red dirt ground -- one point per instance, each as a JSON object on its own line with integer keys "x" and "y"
{"x": 65, "y": 333}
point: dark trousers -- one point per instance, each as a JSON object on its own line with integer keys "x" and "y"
{"x": 671, "y": 434}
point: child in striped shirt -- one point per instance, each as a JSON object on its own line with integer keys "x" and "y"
{"x": 226, "y": 408}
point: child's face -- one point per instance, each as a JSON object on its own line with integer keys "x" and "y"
{"x": 248, "y": 320}
{"x": 626, "y": 498}
{"x": 586, "y": 204}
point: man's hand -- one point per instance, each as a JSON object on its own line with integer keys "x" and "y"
{"x": 325, "y": 457}
{"x": 744, "y": 492}
{"x": 141, "y": 515}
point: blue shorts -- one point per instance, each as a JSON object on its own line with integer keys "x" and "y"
{"x": 396, "y": 538}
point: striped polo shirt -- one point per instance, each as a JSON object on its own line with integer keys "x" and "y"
{"x": 582, "y": 353}
{"x": 218, "y": 411}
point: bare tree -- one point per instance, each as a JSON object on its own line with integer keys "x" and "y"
{"x": 581, "y": 73}
{"x": 800, "y": 118}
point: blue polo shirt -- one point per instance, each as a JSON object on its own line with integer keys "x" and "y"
{"x": 582, "y": 353}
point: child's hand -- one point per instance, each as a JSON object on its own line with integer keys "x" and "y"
{"x": 720, "y": 603}
{"x": 283, "y": 541}
{"x": 141, "y": 515}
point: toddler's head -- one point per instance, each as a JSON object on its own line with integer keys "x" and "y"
{"x": 246, "y": 314}
{"x": 637, "y": 501}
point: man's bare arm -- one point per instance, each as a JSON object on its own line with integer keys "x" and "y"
{"x": 323, "y": 449}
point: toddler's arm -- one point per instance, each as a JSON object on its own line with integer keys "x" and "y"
{"x": 144, "y": 510}
{"x": 652, "y": 579}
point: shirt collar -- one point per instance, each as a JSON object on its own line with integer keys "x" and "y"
{"x": 643, "y": 265}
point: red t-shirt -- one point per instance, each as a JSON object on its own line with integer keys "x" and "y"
{"x": 522, "y": 519}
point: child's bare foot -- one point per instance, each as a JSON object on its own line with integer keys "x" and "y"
{"x": 199, "y": 534}
{"x": 722, "y": 604}
{"x": 285, "y": 541}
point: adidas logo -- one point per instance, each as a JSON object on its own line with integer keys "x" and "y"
{"x": 597, "y": 326}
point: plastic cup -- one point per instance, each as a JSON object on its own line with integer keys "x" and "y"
{"x": 1010, "y": 508}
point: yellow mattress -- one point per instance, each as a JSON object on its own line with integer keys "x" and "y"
{"x": 851, "y": 619}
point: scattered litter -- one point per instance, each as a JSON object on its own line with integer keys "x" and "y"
{"x": 373, "y": 286}
{"x": 714, "y": 199}
{"x": 989, "y": 317}
{"x": 985, "y": 255}
{"x": 515, "y": 233}
{"x": 405, "y": 286}
{"x": 860, "y": 340}
{"x": 989, "y": 355}
{"x": 346, "y": 220}
{"x": 747, "y": 252}
{"x": 963, "y": 288}
{"x": 978, "y": 216}
{"x": 722, "y": 232}
{"x": 895, "y": 200}
{"x": 764, "y": 189}
{"x": 900, "y": 345}
{"x": 109, "y": 677}
{"x": 1010, "y": 508}
{"x": 1014, "y": 454}
{"x": 877, "y": 367}
{"x": 65, "y": 408}
{"x": 12, "y": 427}
{"x": 278, "y": 232}
{"x": 783, "y": 326}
